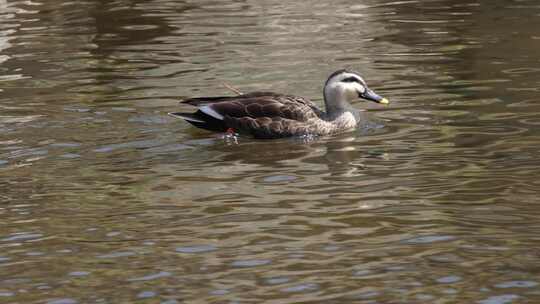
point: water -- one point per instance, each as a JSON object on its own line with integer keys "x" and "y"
{"x": 106, "y": 199}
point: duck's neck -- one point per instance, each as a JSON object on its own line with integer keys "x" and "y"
{"x": 336, "y": 104}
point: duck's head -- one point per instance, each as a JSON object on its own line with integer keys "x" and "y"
{"x": 344, "y": 86}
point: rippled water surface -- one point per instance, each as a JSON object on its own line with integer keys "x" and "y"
{"x": 106, "y": 199}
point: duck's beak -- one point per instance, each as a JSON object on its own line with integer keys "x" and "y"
{"x": 370, "y": 95}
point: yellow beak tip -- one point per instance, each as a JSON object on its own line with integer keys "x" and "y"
{"x": 384, "y": 101}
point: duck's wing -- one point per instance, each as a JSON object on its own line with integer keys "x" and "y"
{"x": 261, "y": 114}
{"x": 259, "y": 104}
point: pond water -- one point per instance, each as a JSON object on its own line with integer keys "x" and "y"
{"x": 106, "y": 199}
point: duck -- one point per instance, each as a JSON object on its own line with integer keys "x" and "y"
{"x": 269, "y": 115}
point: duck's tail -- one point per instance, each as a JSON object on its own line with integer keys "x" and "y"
{"x": 202, "y": 120}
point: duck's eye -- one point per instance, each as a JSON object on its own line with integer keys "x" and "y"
{"x": 351, "y": 79}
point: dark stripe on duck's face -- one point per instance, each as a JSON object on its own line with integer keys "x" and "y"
{"x": 351, "y": 79}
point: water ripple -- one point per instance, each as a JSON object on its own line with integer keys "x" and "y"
{"x": 433, "y": 198}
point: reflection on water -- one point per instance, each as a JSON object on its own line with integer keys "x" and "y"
{"x": 432, "y": 200}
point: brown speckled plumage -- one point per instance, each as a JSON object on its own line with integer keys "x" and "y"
{"x": 268, "y": 115}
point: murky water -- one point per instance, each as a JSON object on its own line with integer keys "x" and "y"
{"x": 106, "y": 199}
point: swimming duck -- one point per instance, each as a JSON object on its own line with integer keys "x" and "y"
{"x": 273, "y": 115}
